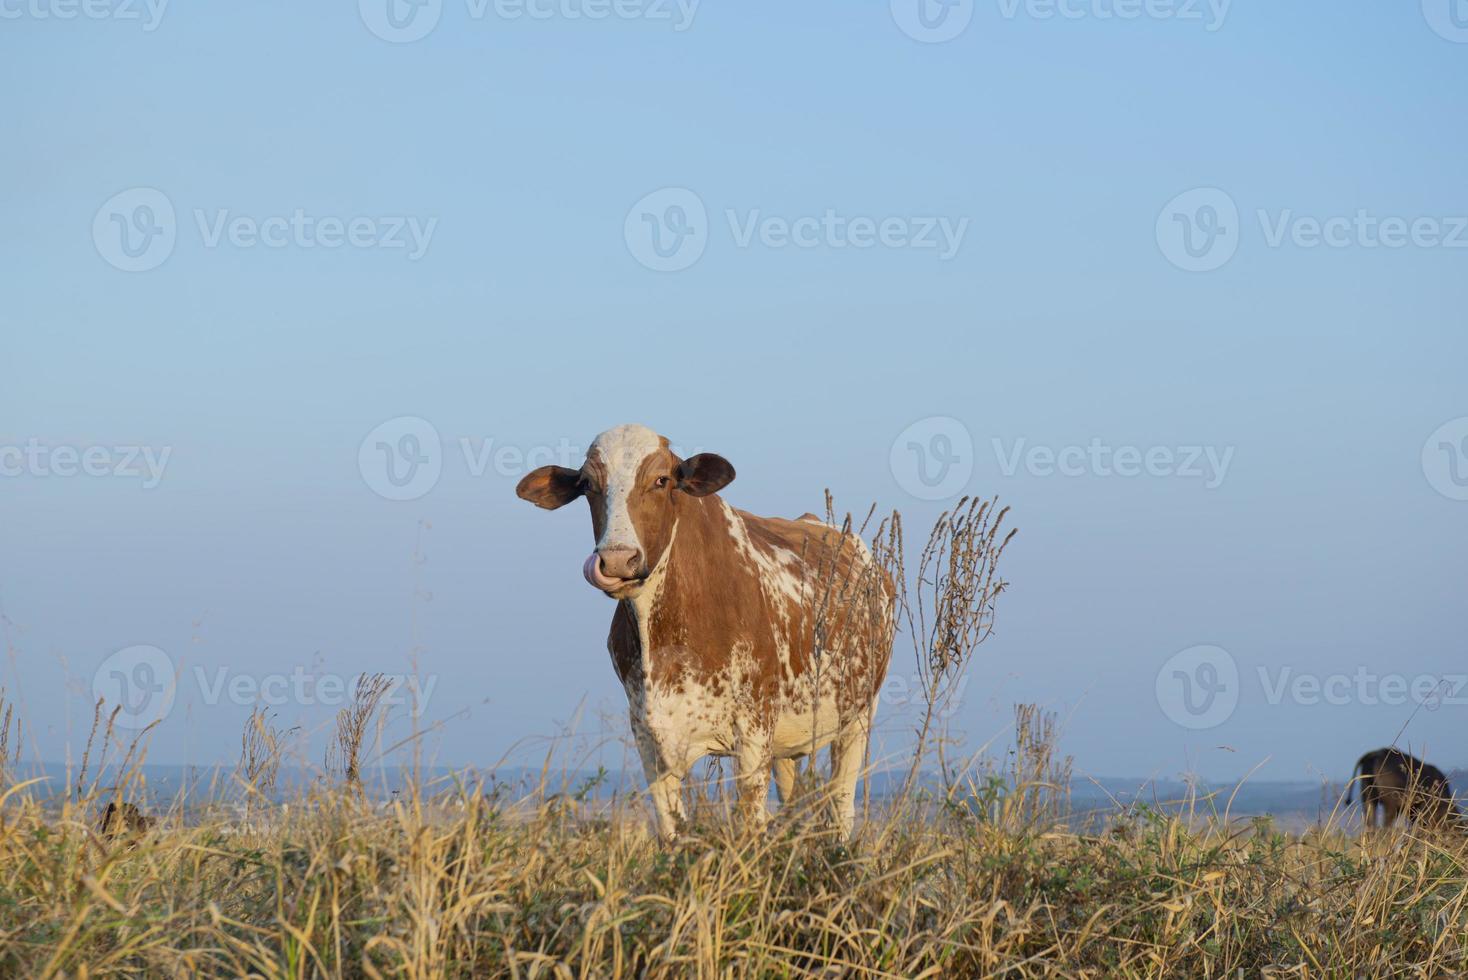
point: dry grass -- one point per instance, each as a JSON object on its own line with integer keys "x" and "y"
{"x": 468, "y": 884}
{"x": 962, "y": 876}
{"x": 344, "y": 754}
{"x": 262, "y": 749}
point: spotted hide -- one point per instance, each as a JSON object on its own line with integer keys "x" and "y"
{"x": 754, "y": 638}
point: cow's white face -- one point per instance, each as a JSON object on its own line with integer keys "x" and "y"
{"x": 633, "y": 483}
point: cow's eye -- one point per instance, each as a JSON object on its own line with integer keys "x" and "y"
{"x": 661, "y": 482}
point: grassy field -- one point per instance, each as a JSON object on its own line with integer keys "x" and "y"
{"x": 975, "y": 873}
{"x": 463, "y": 884}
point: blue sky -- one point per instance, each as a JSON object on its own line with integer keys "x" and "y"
{"x": 494, "y": 176}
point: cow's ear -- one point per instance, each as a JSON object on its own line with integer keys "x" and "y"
{"x": 706, "y": 473}
{"x": 550, "y": 487}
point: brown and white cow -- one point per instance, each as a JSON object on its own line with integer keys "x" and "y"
{"x": 753, "y": 637}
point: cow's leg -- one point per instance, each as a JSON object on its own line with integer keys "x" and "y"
{"x": 753, "y": 777}
{"x": 667, "y": 802}
{"x": 1392, "y": 806}
{"x": 848, "y": 753}
{"x": 785, "y": 779}
{"x": 664, "y": 783}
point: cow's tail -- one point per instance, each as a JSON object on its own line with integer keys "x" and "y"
{"x": 1351, "y": 784}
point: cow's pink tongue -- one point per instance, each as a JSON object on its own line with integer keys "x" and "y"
{"x": 592, "y": 571}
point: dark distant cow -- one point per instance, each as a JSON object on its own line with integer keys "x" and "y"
{"x": 757, "y": 638}
{"x": 1393, "y": 782}
{"x": 125, "y": 819}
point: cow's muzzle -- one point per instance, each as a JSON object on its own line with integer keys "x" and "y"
{"x": 614, "y": 569}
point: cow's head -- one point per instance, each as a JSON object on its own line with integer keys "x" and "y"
{"x": 634, "y": 483}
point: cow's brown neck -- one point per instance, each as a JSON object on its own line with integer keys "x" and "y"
{"x": 691, "y": 585}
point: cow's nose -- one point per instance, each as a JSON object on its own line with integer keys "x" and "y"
{"x": 621, "y": 563}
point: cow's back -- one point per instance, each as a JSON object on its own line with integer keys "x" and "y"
{"x": 835, "y": 598}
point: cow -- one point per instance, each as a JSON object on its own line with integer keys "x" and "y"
{"x": 756, "y": 638}
{"x": 1393, "y": 782}
{"x": 119, "y": 820}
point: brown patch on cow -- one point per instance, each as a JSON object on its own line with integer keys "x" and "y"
{"x": 713, "y": 602}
